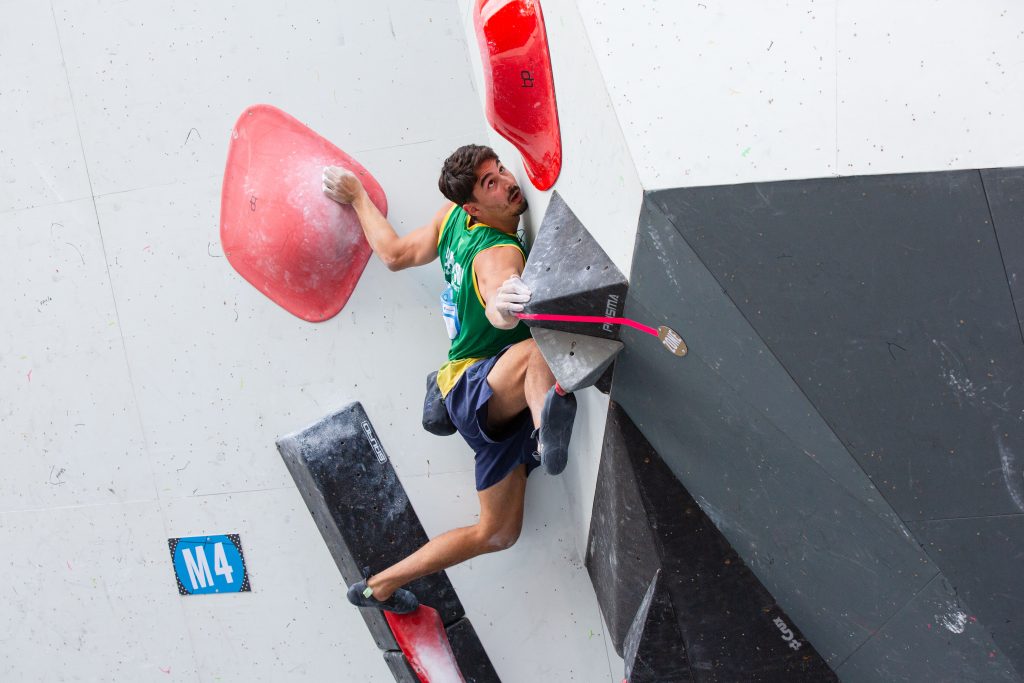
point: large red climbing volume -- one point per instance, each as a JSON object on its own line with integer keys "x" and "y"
{"x": 520, "y": 88}
{"x": 278, "y": 230}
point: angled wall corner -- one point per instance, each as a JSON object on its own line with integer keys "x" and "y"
{"x": 853, "y": 342}
{"x": 679, "y": 601}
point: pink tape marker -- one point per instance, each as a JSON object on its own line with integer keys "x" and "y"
{"x": 670, "y": 339}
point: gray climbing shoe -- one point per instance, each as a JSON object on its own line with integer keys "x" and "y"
{"x": 556, "y": 429}
{"x": 400, "y": 602}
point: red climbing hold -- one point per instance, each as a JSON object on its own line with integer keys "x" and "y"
{"x": 424, "y": 643}
{"x": 278, "y": 230}
{"x": 520, "y": 88}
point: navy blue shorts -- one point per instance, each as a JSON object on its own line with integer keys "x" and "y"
{"x": 467, "y": 406}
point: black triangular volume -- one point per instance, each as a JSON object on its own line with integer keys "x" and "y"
{"x": 645, "y": 523}
{"x": 569, "y": 273}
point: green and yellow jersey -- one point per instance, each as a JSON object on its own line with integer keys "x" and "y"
{"x": 457, "y": 246}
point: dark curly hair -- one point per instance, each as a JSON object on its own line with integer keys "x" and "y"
{"x": 458, "y": 174}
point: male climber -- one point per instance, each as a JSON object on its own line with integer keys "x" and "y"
{"x": 497, "y": 388}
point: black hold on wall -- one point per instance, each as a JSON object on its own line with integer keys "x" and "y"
{"x": 366, "y": 519}
{"x": 569, "y": 273}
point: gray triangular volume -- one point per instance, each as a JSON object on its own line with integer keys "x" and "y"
{"x": 577, "y": 360}
{"x": 569, "y": 273}
{"x": 653, "y": 650}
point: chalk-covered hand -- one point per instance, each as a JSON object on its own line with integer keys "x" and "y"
{"x": 509, "y": 300}
{"x": 341, "y": 185}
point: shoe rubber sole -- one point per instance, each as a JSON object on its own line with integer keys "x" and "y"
{"x": 555, "y": 430}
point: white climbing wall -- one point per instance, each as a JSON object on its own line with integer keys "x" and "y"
{"x": 144, "y": 382}
{"x": 711, "y": 92}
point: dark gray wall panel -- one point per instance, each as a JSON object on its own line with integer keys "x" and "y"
{"x": 885, "y": 299}
{"x": 735, "y": 429}
{"x": 744, "y": 426}
{"x": 838, "y": 568}
{"x": 984, "y": 560}
{"x": 669, "y": 277}
{"x": 1005, "y": 190}
{"x": 905, "y": 649}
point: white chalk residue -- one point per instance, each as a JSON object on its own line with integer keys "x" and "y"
{"x": 435, "y": 661}
{"x": 711, "y": 512}
{"x": 961, "y": 385}
{"x": 636, "y": 629}
{"x": 954, "y": 374}
{"x": 1011, "y": 473}
{"x": 955, "y": 620}
{"x": 663, "y": 256}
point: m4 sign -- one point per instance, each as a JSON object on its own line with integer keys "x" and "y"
{"x": 209, "y": 564}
